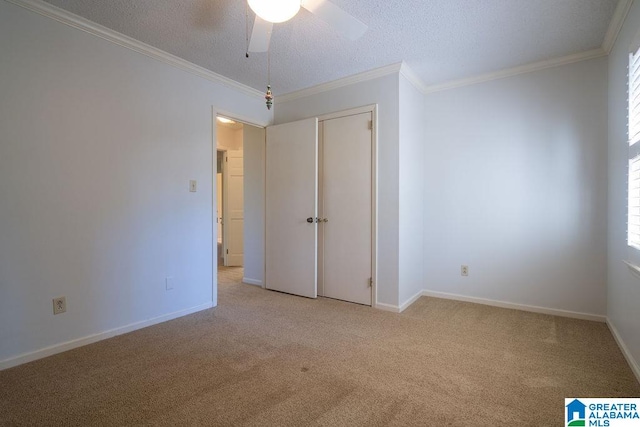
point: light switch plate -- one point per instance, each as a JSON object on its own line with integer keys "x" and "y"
{"x": 193, "y": 186}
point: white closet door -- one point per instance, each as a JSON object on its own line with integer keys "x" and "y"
{"x": 291, "y": 199}
{"x": 347, "y": 207}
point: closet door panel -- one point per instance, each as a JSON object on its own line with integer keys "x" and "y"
{"x": 291, "y": 208}
{"x": 347, "y": 208}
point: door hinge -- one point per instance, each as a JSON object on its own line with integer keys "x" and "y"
{"x": 226, "y": 159}
{"x": 370, "y": 124}
{"x": 227, "y": 251}
{"x": 370, "y": 282}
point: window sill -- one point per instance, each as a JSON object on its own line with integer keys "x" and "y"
{"x": 635, "y": 269}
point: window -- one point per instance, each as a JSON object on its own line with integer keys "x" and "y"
{"x": 633, "y": 219}
{"x": 634, "y": 97}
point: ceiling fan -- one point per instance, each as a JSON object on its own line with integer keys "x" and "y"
{"x": 269, "y": 12}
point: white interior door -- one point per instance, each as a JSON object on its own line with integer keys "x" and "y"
{"x": 291, "y": 202}
{"x": 347, "y": 208}
{"x": 233, "y": 209}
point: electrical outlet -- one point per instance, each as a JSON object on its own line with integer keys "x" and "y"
{"x": 59, "y": 305}
{"x": 464, "y": 270}
{"x": 168, "y": 282}
{"x": 193, "y": 186}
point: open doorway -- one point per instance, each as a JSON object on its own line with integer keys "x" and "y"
{"x": 230, "y": 200}
{"x": 239, "y": 218}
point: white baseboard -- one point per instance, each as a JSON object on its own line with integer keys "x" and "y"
{"x": 398, "y": 309}
{"x": 251, "y": 281}
{"x": 79, "y": 342}
{"x": 410, "y": 301}
{"x": 515, "y": 306}
{"x": 387, "y": 307}
{"x": 624, "y": 349}
{"x": 494, "y": 303}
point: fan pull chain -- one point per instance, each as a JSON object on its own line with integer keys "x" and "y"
{"x": 246, "y": 22}
{"x": 269, "y": 95}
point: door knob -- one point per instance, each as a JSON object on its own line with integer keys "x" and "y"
{"x": 310, "y": 220}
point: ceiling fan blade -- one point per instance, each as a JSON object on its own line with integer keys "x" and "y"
{"x": 260, "y": 35}
{"x": 349, "y": 26}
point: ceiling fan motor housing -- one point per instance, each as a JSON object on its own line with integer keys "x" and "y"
{"x": 275, "y": 11}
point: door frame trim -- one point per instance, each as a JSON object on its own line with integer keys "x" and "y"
{"x": 373, "y": 109}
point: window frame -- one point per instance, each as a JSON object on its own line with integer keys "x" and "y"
{"x": 633, "y": 144}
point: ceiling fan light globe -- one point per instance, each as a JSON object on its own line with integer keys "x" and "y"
{"x": 275, "y": 11}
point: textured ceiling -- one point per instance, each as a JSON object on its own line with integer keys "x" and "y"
{"x": 440, "y": 40}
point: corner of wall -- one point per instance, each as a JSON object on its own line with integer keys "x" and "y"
{"x": 633, "y": 364}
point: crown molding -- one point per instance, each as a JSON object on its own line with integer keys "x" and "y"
{"x": 346, "y": 81}
{"x": 75, "y": 21}
{"x": 413, "y": 78}
{"x": 527, "y": 68}
{"x": 619, "y": 16}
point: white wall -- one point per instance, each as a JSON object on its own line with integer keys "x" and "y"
{"x": 98, "y": 143}
{"x": 515, "y": 188}
{"x": 623, "y": 294}
{"x": 228, "y": 138}
{"x": 411, "y": 192}
{"x": 97, "y": 147}
{"x": 254, "y": 215}
{"x": 384, "y": 92}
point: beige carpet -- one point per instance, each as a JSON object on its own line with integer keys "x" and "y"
{"x": 229, "y": 275}
{"x": 263, "y": 358}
